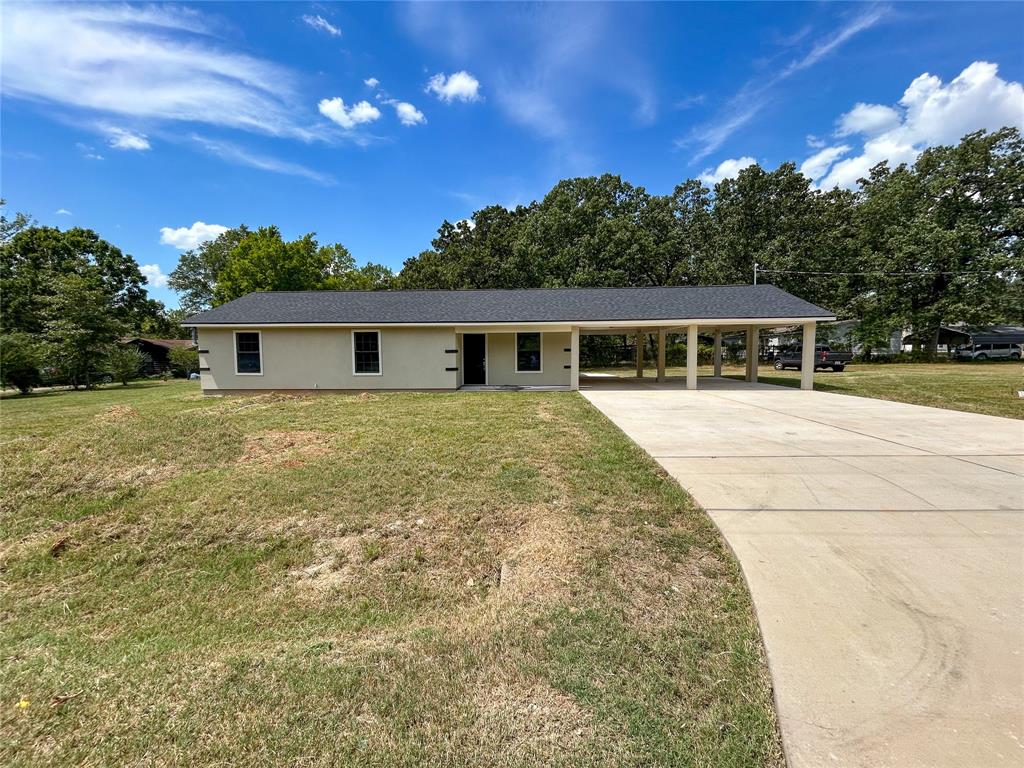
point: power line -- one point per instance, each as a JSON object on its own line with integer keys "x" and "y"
{"x": 761, "y": 269}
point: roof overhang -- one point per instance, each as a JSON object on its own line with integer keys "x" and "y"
{"x": 550, "y": 325}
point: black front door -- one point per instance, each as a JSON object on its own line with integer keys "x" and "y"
{"x": 474, "y": 358}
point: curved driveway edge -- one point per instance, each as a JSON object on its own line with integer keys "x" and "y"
{"x": 884, "y": 548}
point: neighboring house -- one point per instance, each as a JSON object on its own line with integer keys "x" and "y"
{"x": 444, "y": 340}
{"x": 157, "y": 352}
{"x": 1001, "y": 339}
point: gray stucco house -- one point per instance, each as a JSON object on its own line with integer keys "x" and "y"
{"x": 446, "y": 340}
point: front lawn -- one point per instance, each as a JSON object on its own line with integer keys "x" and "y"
{"x": 474, "y": 579}
{"x": 989, "y": 388}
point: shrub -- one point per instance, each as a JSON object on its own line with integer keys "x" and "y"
{"x": 21, "y": 357}
{"x": 184, "y": 360}
{"x": 125, "y": 363}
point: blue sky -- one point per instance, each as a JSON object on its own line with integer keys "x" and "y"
{"x": 141, "y": 120}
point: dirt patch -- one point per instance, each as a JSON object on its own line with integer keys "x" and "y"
{"x": 116, "y": 414}
{"x": 333, "y": 564}
{"x": 283, "y": 447}
{"x": 530, "y": 715}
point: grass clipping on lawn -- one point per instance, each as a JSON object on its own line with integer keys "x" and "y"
{"x": 485, "y": 579}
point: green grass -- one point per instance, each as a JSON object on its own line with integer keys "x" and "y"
{"x": 989, "y": 388}
{"x": 485, "y": 579}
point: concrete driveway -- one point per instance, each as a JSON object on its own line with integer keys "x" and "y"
{"x": 884, "y": 548}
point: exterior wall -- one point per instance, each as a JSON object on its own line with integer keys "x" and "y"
{"x": 321, "y": 358}
{"x": 501, "y": 360}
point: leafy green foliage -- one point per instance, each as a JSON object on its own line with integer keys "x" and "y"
{"x": 124, "y": 363}
{"x": 184, "y": 360}
{"x": 21, "y": 357}
{"x": 80, "y": 326}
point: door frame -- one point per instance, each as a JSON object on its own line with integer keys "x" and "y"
{"x": 487, "y": 355}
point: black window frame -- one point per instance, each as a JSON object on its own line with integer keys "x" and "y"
{"x": 249, "y": 354}
{"x": 521, "y": 352}
{"x": 360, "y": 356}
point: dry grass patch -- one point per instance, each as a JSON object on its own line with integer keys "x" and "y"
{"x": 274, "y": 447}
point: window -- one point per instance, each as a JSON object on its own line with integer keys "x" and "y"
{"x": 248, "y": 353}
{"x": 527, "y": 353}
{"x": 366, "y": 353}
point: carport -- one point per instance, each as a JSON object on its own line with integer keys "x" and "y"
{"x": 693, "y": 330}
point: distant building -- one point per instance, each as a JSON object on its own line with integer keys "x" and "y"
{"x": 157, "y": 352}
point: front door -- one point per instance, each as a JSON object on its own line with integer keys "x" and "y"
{"x": 474, "y": 358}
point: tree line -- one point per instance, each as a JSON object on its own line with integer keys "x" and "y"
{"x": 916, "y": 246}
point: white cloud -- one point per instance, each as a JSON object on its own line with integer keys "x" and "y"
{"x": 459, "y": 86}
{"x": 348, "y": 117}
{"x": 62, "y": 212}
{"x": 371, "y": 82}
{"x": 814, "y": 142}
{"x": 88, "y": 151}
{"x": 144, "y": 62}
{"x": 119, "y": 138}
{"x": 186, "y": 238}
{"x": 726, "y": 169}
{"x": 815, "y": 166}
{"x": 931, "y": 113}
{"x": 319, "y": 22}
{"x": 868, "y": 119}
{"x": 408, "y": 114}
{"x": 755, "y": 94}
{"x": 233, "y": 153}
{"x": 154, "y": 275}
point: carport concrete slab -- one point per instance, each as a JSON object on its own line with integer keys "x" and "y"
{"x": 884, "y": 548}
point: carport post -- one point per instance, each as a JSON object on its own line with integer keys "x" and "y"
{"x": 574, "y": 358}
{"x": 691, "y": 357}
{"x": 752, "y": 353}
{"x": 639, "y": 355}
{"x": 661, "y": 354}
{"x": 718, "y": 352}
{"x": 807, "y": 357}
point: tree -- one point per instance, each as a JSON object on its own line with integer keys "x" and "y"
{"x": 950, "y": 227}
{"x": 198, "y": 271}
{"x": 21, "y": 357}
{"x": 80, "y": 327}
{"x": 34, "y": 259}
{"x": 124, "y": 363}
{"x": 184, "y": 360}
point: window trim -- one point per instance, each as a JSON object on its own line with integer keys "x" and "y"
{"x": 540, "y": 351}
{"x": 259, "y": 336}
{"x": 380, "y": 352}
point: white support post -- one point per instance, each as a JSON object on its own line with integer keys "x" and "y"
{"x": 755, "y": 346}
{"x": 807, "y": 357}
{"x": 750, "y": 353}
{"x": 574, "y": 358}
{"x": 661, "y": 354}
{"x": 691, "y": 357}
{"x": 639, "y": 355}
{"x": 718, "y": 352}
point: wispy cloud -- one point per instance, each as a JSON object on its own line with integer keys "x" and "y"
{"x": 120, "y": 138}
{"x": 88, "y": 152}
{"x": 62, "y": 212}
{"x": 320, "y": 23}
{"x": 232, "y": 153}
{"x": 755, "y": 94}
{"x": 145, "y": 62}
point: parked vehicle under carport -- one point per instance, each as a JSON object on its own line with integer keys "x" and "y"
{"x": 824, "y": 357}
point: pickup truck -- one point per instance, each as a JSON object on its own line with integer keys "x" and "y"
{"x": 824, "y": 357}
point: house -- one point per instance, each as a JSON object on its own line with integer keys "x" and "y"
{"x": 952, "y": 336}
{"x": 447, "y": 340}
{"x": 157, "y": 352}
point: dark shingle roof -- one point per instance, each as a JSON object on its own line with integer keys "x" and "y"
{"x": 540, "y": 305}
